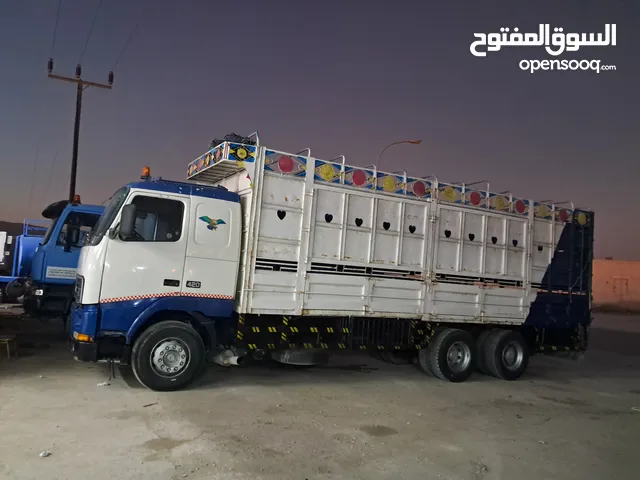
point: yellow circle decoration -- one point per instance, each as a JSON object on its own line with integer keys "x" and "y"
{"x": 449, "y": 194}
{"x": 582, "y": 218}
{"x": 327, "y": 172}
{"x": 241, "y": 153}
{"x": 389, "y": 184}
{"x": 543, "y": 211}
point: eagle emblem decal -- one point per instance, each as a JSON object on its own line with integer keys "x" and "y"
{"x": 212, "y": 223}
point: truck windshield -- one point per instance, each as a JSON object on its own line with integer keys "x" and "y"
{"x": 47, "y": 236}
{"x": 110, "y": 212}
{"x": 85, "y": 223}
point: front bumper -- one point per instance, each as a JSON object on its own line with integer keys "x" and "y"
{"x": 47, "y": 300}
{"x": 83, "y": 351}
{"x": 82, "y": 327}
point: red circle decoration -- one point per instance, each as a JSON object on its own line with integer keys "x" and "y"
{"x": 285, "y": 164}
{"x": 520, "y": 207}
{"x": 359, "y": 178}
{"x": 475, "y": 198}
{"x": 419, "y": 189}
{"x": 563, "y": 215}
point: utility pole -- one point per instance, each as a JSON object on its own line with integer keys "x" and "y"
{"x": 81, "y": 85}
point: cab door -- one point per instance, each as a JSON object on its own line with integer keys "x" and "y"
{"x": 140, "y": 270}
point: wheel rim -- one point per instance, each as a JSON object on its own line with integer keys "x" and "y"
{"x": 170, "y": 357}
{"x": 513, "y": 356}
{"x": 458, "y": 357}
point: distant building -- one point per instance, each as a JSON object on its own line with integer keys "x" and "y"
{"x": 616, "y": 285}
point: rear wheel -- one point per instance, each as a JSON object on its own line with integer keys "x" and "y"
{"x": 452, "y": 355}
{"x": 506, "y": 355}
{"x": 168, "y": 356}
{"x": 423, "y": 361}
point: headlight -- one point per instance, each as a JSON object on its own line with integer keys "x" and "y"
{"x": 39, "y": 292}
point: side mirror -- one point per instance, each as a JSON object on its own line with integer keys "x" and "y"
{"x": 72, "y": 237}
{"x": 128, "y": 221}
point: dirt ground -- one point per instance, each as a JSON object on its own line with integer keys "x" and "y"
{"x": 357, "y": 418}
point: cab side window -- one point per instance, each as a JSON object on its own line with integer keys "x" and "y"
{"x": 157, "y": 219}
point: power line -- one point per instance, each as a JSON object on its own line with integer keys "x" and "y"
{"x": 53, "y": 164}
{"x": 131, "y": 34}
{"x": 55, "y": 28}
{"x": 93, "y": 24}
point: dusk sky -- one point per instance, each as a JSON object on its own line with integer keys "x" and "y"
{"x": 341, "y": 77}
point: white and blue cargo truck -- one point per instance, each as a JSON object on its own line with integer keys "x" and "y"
{"x": 263, "y": 252}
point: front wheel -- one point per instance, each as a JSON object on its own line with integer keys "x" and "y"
{"x": 168, "y": 356}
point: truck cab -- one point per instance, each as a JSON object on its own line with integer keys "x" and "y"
{"x": 49, "y": 289}
{"x": 161, "y": 248}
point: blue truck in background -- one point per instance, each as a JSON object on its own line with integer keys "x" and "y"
{"x": 44, "y": 269}
{"x": 17, "y": 252}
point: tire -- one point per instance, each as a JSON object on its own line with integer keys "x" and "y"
{"x": 14, "y": 290}
{"x": 506, "y": 355}
{"x": 481, "y": 345}
{"x": 396, "y": 358}
{"x": 163, "y": 346}
{"x": 452, "y": 355}
{"x": 422, "y": 361}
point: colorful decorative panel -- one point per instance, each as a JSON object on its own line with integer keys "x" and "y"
{"x": 475, "y": 198}
{"x": 520, "y": 206}
{"x": 359, "y": 177}
{"x": 327, "y": 172}
{"x": 543, "y": 210}
{"x": 563, "y": 215}
{"x": 581, "y": 217}
{"x": 450, "y": 193}
{"x": 205, "y": 160}
{"x": 418, "y": 188}
{"x": 285, "y": 163}
{"x": 499, "y": 202}
{"x": 242, "y": 153}
{"x": 390, "y": 183}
